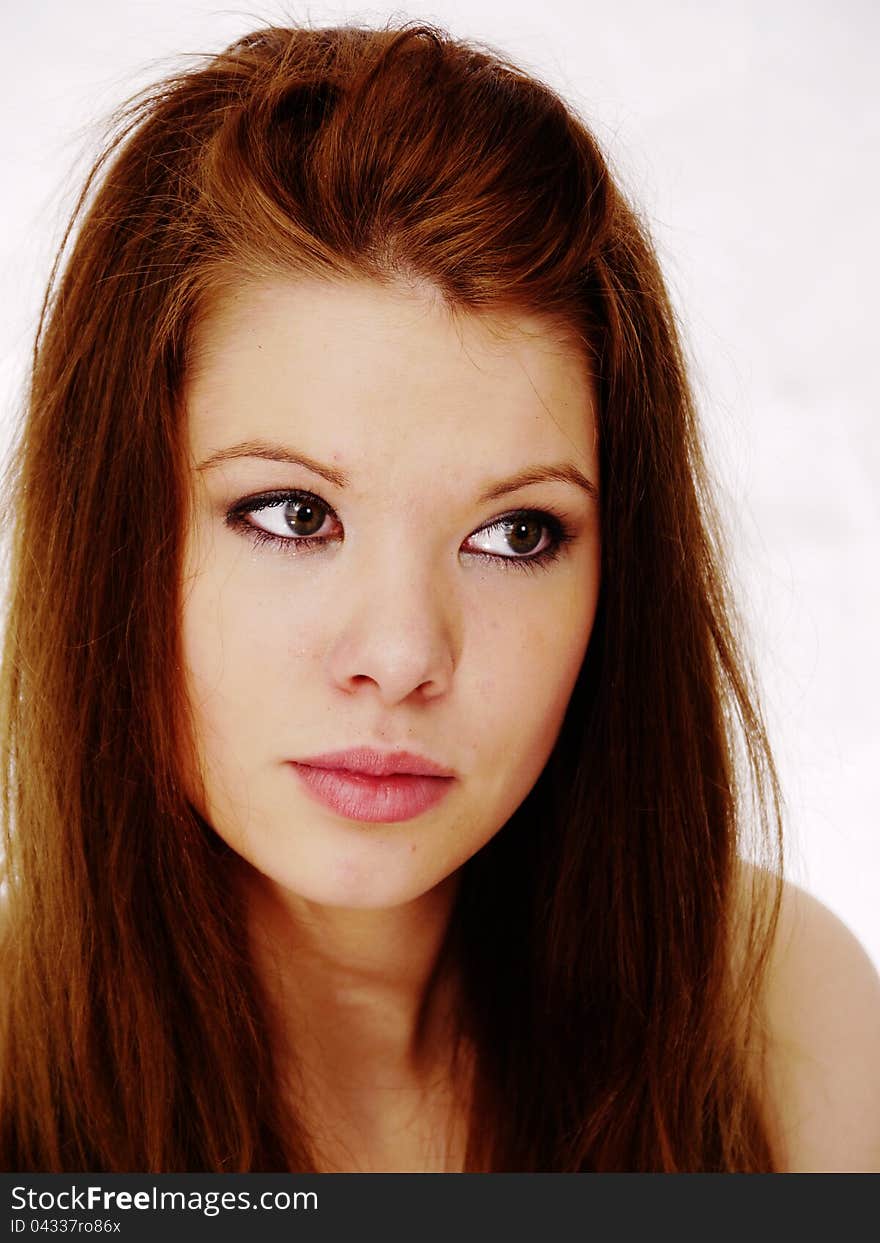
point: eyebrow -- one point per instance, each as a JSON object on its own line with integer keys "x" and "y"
{"x": 560, "y": 472}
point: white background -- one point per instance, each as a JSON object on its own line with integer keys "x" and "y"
{"x": 748, "y": 134}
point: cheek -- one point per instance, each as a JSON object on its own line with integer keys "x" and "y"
{"x": 539, "y": 683}
{"x": 251, "y": 651}
{"x": 239, "y": 638}
{"x": 539, "y": 645}
{"x": 528, "y": 665}
{"x": 234, "y": 666}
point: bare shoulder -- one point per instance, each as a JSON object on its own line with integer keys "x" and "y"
{"x": 821, "y": 1074}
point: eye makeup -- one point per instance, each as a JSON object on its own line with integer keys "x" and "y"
{"x": 290, "y": 506}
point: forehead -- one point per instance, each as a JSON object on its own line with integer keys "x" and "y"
{"x": 368, "y": 372}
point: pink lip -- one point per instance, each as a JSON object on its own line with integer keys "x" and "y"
{"x": 377, "y": 763}
{"x": 373, "y": 786}
{"x": 376, "y": 799}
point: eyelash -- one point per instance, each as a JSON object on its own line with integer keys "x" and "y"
{"x": 556, "y": 527}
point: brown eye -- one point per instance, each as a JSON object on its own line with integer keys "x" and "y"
{"x": 293, "y": 519}
{"x": 523, "y": 534}
{"x": 304, "y": 518}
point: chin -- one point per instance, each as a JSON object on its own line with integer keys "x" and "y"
{"x": 347, "y": 884}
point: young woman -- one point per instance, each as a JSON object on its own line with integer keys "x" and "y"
{"x": 380, "y": 760}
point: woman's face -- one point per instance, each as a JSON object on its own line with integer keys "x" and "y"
{"x": 369, "y": 566}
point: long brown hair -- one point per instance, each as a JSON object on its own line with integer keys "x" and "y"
{"x": 610, "y": 968}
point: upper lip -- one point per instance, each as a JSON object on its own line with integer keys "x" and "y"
{"x": 377, "y": 763}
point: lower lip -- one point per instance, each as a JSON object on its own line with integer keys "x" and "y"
{"x": 380, "y": 800}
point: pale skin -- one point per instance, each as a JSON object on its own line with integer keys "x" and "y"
{"x": 822, "y": 1014}
{"x": 408, "y": 627}
{"x": 394, "y": 634}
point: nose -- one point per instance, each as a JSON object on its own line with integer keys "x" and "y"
{"x": 397, "y": 632}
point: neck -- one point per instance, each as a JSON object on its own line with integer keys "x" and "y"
{"x": 362, "y": 998}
